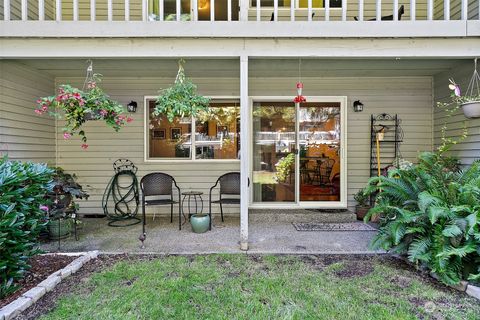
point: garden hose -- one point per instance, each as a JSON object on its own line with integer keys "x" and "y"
{"x": 125, "y": 197}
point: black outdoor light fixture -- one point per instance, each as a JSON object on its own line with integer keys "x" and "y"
{"x": 132, "y": 107}
{"x": 357, "y": 106}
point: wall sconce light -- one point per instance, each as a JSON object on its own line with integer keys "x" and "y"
{"x": 357, "y": 106}
{"x": 132, "y": 107}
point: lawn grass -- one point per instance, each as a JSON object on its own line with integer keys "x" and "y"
{"x": 262, "y": 287}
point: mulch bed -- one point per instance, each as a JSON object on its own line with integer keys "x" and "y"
{"x": 42, "y": 267}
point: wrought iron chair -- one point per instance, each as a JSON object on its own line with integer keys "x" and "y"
{"x": 158, "y": 184}
{"x": 323, "y": 170}
{"x": 229, "y": 186}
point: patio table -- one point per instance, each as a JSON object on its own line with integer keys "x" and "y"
{"x": 197, "y": 197}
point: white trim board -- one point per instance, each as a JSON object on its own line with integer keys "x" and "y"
{"x": 239, "y": 29}
{"x": 193, "y": 48}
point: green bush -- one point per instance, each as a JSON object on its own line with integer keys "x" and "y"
{"x": 431, "y": 212}
{"x": 22, "y": 196}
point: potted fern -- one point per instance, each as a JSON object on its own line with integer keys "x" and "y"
{"x": 363, "y": 205}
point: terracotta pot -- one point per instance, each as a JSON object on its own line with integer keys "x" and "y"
{"x": 471, "y": 109}
{"x": 361, "y": 211}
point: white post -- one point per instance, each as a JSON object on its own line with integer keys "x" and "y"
{"x": 75, "y": 10}
{"x": 275, "y": 10}
{"x": 229, "y": 10}
{"x": 310, "y": 10}
{"x": 413, "y": 10}
{"x": 109, "y": 10}
{"x": 259, "y": 10}
{"x": 244, "y": 156}
{"x": 41, "y": 10}
{"x": 360, "y": 10}
{"x": 144, "y": 10}
{"x": 464, "y": 9}
{"x": 244, "y": 5}
{"x": 58, "y": 10}
{"x": 24, "y": 10}
{"x": 379, "y": 10}
{"x": 344, "y": 10}
{"x": 292, "y": 10}
{"x": 212, "y": 9}
{"x": 92, "y": 10}
{"x": 6, "y": 10}
{"x": 161, "y": 10}
{"x": 327, "y": 10}
{"x": 127, "y": 10}
{"x": 395, "y": 10}
{"x": 446, "y": 10}
{"x": 430, "y": 10}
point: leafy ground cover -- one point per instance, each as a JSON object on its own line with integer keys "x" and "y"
{"x": 257, "y": 287}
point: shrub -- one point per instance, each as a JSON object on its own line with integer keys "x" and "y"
{"x": 431, "y": 212}
{"x": 22, "y": 198}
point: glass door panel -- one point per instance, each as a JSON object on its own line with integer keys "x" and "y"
{"x": 273, "y": 154}
{"x": 319, "y": 144}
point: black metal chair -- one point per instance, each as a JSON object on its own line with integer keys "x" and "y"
{"x": 158, "y": 184}
{"x": 401, "y": 11}
{"x": 229, "y": 186}
{"x": 323, "y": 170}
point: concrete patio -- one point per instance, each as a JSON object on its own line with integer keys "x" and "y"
{"x": 165, "y": 238}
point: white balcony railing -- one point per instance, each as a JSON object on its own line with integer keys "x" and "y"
{"x": 238, "y": 10}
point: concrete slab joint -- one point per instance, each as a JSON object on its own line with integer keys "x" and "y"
{"x": 28, "y": 298}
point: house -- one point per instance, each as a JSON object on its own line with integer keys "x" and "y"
{"x": 248, "y": 56}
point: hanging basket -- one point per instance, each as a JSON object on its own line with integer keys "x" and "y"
{"x": 471, "y": 109}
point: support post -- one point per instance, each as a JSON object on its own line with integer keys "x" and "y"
{"x": 244, "y": 157}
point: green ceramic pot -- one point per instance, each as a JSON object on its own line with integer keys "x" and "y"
{"x": 200, "y": 223}
{"x": 59, "y": 229}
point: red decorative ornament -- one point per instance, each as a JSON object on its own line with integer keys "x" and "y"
{"x": 299, "y": 98}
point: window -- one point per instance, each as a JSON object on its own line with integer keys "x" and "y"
{"x": 216, "y": 134}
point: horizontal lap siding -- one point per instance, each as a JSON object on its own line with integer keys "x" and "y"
{"x": 23, "y": 134}
{"x": 94, "y": 166}
{"x": 469, "y": 149}
{"x": 409, "y": 97}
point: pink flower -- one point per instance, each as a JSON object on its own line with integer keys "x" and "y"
{"x": 43, "y": 208}
{"x": 38, "y": 111}
{"x": 84, "y": 146}
{"x": 44, "y": 108}
{"x": 103, "y": 112}
{"x": 39, "y": 100}
{"x": 129, "y": 119}
{"x": 67, "y": 135}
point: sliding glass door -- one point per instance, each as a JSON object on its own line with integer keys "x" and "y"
{"x": 297, "y": 153}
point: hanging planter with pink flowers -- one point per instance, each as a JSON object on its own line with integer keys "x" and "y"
{"x": 79, "y": 106}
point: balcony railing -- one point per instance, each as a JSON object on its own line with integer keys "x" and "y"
{"x": 238, "y": 10}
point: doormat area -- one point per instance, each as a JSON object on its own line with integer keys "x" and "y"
{"x": 354, "y": 226}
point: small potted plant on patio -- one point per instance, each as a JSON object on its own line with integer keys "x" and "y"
{"x": 363, "y": 205}
{"x": 180, "y": 100}
{"x": 79, "y": 106}
{"x": 62, "y": 212}
{"x": 470, "y": 101}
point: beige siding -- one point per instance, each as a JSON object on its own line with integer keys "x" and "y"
{"x": 410, "y": 97}
{"x": 469, "y": 149}
{"x": 456, "y": 9}
{"x": 23, "y": 134}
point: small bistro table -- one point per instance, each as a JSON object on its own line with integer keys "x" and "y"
{"x": 197, "y": 198}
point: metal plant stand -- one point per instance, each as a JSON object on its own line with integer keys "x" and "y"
{"x": 197, "y": 197}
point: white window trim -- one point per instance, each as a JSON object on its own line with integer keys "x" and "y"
{"x": 343, "y": 203}
{"x": 146, "y": 134}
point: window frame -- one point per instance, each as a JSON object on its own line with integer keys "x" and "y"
{"x": 192, "y": 158}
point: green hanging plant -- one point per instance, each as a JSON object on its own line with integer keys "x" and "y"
{"x": 181, "y": 99}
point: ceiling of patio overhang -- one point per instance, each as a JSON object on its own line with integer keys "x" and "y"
{"x": 263, "y": 67}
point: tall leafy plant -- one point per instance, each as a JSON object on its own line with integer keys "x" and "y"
{"x": 431, "y": 213}
{"x": 181, "y": 99}
{"x": 22, "y": 203}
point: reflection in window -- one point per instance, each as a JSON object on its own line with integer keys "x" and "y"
{"x": 217, "y": 132}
